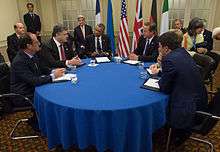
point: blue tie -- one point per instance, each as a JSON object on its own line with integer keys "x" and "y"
{"x": 146, "y": 46}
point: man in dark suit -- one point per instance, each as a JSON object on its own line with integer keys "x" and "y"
{"x": 180, "y": 78}
{"x": 147, "y": 47}
{"x": 98, "y": 44}
{"x": 32, "y": 21}
{"x": 26, "y": 72}
{"x": 12, "y": 41}
{"x": 56, "y": 53}
{"x": 80, "y": 34}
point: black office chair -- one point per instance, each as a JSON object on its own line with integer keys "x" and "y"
{"x": 204, "y": 122}
{"x": 207, "y": 68}
{"x": 5, "y": 100}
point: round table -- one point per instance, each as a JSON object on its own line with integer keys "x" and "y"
{"x": 106, "y": 108}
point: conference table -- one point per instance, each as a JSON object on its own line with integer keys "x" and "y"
{"x": 106, "y": 108}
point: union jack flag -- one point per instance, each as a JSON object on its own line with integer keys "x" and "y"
{"x": 138, "y": 24}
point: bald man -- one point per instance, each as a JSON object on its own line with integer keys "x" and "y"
{"x": 12, "y": 40}
{"x": 216, "y": 33}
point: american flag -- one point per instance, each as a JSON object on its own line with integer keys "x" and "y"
{"x": 123, "y": 36}
{"x": 138, "y": 24}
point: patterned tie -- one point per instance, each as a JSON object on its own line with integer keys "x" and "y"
{"x": 146, "y": 46}
{"x": 63, "y": 56}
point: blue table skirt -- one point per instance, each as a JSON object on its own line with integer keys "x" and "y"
{"x": 106, "y": 108}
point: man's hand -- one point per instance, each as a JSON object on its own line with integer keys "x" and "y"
{"x": 133, "y": 56}
{"x": 74, "y": 61}
{"x": 94, "y": 54}
{"x": 201, "y": 50}
{"x": 59, "y": 72}
{"x": 154, "y": 68}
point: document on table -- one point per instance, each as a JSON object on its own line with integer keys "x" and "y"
{"x": 132, "y": 62}
{"x": 152, "y": 84}
{"x": 65, "y": 77}
{"x": 102, "y": 59}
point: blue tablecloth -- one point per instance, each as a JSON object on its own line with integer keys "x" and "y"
{"x": 106, "y": 108}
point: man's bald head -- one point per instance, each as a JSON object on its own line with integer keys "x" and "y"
{"x": 19, "y": 28}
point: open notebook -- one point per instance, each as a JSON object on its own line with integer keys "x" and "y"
{"x": 151, "y": 84}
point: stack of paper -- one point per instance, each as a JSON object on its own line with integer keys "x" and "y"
{"x": 102, "y": 59}
{"x": 133, "y": 62}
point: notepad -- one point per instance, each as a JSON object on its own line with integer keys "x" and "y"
{"x": 65, "y": 77}
{"x": 151, "y": 84}
{"x": 132, "y": 62}
{"x": 102, "y": 59}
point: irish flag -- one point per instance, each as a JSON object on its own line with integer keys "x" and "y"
{"x": 164, "y": 25}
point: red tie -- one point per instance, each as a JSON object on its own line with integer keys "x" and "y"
{"x": 63, "y": 57}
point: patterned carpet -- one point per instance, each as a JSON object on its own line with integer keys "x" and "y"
{"x": 40, "y": 144}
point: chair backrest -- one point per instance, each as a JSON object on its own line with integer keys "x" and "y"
{"x": 206, "y": 63}
{"x": 5, "y": 104}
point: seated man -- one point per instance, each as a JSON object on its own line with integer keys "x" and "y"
{"x": 98, "y": 44}
{"x": 55, "y": 53}
{"x": 179, "y": 26}
{"x": 147, "y": 47}
{"x": 26, "y": 73}
{"x": 216, "y": 33}
{"x": 12, "y": 41}
{"x": 180, "y": 78}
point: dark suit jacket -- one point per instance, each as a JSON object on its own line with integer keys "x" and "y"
{"x": 90, "y": 44}
{"x": 49, "y": 55}
{"x": 78, "y": 37}
{"x": 13, "y": 46}
{"x": 151, "y": 52}
{"x": 26, "y": 74}
{"x": 181, "y": 79}
{"x": 33, "y": 24}
{"x": 208, "y": 38}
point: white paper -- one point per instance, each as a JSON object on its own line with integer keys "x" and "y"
{"x": 92, "y": 65}
{"x": 65, "y": 77}
{"x": 152, "y": 83}
{"x": 118, "y": 57}
{"x": 102, "y": 59}
{"x": 149, "y": 71}
{"x": 133, "y": 62}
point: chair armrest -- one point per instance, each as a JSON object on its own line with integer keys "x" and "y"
{"x": 10, "y": 95}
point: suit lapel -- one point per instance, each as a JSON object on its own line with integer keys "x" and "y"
{"x": 54, "y": 50}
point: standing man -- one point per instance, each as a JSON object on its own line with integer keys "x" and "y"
{"x": 32, "y": 21}
{"x": 12, "y": 41}
{"x": 80, "y": 34}
{"x": 147, "y": 47}
{"x": 56, "y": 53}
